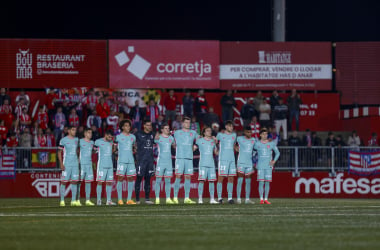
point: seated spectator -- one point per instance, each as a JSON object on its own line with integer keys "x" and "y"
{"x": 4, "y": 96}
{"x": 330, "y": 140}
{"x": 5, "y": 108}
{"x": 177, "y": 123}
{"x": 373, "y": 142}
{"x": 95, "y": 133}
{"x": 19, "y": 107}
{"x": 272, "y": 135}
{"x": 40, "y": 139}
{"x": 24, "y": 96}
{"x": 50, "y": 139}
{"x": 211, "y": 117}
{"x": 354, "y": 140}
{"x": 24, "y": 120}
{"x": 137, "y": 114}
{"x": 59, "y": 123}
{"x": 194, "y": 125}
{"x": 340, "y": 153}
{"x": 74, "y": 118}
{"x": 215, "y": 129}
{"x": 113, "y": 122}
{"x": 255, "y": 126}
{"x": 103, "y": 128}
{"x": 102, "y": 109}
{"x": 294, "y": 140}
{"x": 7, "y": 114}
{"x": 248, "y": 111}
{"x": 160, "y": 121}
{"x": 26, "y": 139}
{"x": 265, "y": 111}
{"x": 12, "y": 140}
{"x": 3, "y": 133}
{"x": 42, "y": 117}
{"x": 94, "y": 120}
{"x": 188, "y": 104}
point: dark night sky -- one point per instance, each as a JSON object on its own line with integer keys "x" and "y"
{"x": 307, "y": 20}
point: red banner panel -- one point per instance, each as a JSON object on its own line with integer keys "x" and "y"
{"x": 357, "y": 72}
{"x": 281, "y": 66}
{"x": 163, "y": 64}
{"x": 35, "y": 63}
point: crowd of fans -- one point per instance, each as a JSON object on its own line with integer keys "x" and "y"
{"x": 20, "y": 126}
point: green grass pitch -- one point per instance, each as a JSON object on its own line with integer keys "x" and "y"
{"x": 286, "y": 224}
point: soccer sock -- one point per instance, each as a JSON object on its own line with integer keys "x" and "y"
{"x": 130, "y": 190}
{"x": 267, "y": 190}
{"x": 219, "y": 189}
{"x": 247, "y": 188}
{"x": 167, "y": 187}
{"x": 261, "y": 189}
{"x": 74, "y": 189}
{"x": 238, "y": 187}
{"x": 108, "y": 192}
{"x": 88, "y": 190}
{"x": 63, "y": 187}
{"x": 78, "y": 192}
{"x": 176, "y": 187}
{"x": 119, "y": 189}
{"x": 157, "y": 188}
{"x": 230, "y": 187}
{"x": 211, "y": 188}
{"x": 99, "y": 192}
{"x": 187, "y": 188}
{"x": 200, "y": 189}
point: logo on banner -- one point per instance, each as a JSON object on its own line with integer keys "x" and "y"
{"x": 137, "y": 67}
{"x": 275, "y": 57}
{"x": 24, "y": 61}
{"x": 49, "y": 187}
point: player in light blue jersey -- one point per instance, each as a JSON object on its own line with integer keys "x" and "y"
{"x": 226, "y": 165}
{"x": 164, "y": 168}
{"x": 104, "y": 172}
{"x": 69, "y": 165}
{"x": 86, "y": 146}
{"x": 244, "y": 164}
{"x": 184, "y": 140}
{"x": 126, "y": 144}
{"x": 207, "y": 149}
{"x": 265, "y": 164}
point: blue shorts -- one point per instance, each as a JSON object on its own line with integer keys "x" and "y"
{"x": 226, "y": 168}
{"x": 245, "y": 169}
{"x": 126, "y": 169}
{"x": 207, "y": 173}
{"x": 264, "y": 174}
{"x": 86, "y": 173}
{"x": 184, "y": 167}
{"x": 164, "y": 170}
{"x": 104, "y": 175}
{"x": 70, "y": 174}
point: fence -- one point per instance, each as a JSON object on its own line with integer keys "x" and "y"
{"x": 293, "y": 159}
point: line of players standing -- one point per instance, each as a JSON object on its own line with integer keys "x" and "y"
{"x": 75, "y": 158}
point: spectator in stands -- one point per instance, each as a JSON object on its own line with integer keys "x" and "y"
{"x": 59, "y": 123}
{"x": 257, "y": 102}
{"x": 95, "y": 133}
{"x": 20, "y": 106}
{"x": 273, "y": 100}
{"x": 215, "y": 129}
{"x": 74, "y": 118}
{"x": 50, "y": 139}
{"x": 24, "y": 96}
{"x": 255, "y": 127}
{"x": 170, "y": 106}
{"x": 94, "y": 120}
{"x": 194, "y": 125}
{"x": 188, "y": 104}
{"x": 330, "y": 142}
{"x": 24, "y": 120}
{"x": 3, "y": 133}
{"x": 294, "y": 104}
{"x": 201, "y": 106}
{"x": 4, "y": 96}
{"x": 280, "y": 114}
{"x": 248, "y": 111}
{"x": 66, "y": 109}
{"x": 42, "y": 118}
{"x": 40, "y": 139}
{"x": 272, "y": 135}
{"x": 102, "y": 109}
{"x": 12, "y": 140}
{"x": 113, "y": 122}
{"x": 123, "y": 106}
{"x": 34, "y": 128}
{"x": 265, "y": 111}
{"x": 340, "y": 153}
{"x": 228, "y": 103}
{"x": 137, "y": 115}
{"x": 103, "y": 128}
{"x": 91, "y": 101}
{"x": 211, "y": 118}
{"x": 76, "y": 101}
{"x": 294, "y": 141}
{"x": 354, "y": 140}
{"x": 5, "y": 110}
{"x": 373, "y": 142}
{"x": 306, "y": 153}
{"x": 152, "y": 112}
{"x": 160, "y": 121}
{"x": 177, "y": 123}
{"x": 51, "y": 98}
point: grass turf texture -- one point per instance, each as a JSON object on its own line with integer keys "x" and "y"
{"x": 286, "y": 224}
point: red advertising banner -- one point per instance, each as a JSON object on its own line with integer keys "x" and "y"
{"x": 284, "y": 185}
{"x": 280, "y": 66}
{"x": 163, "y": 64}
{"x": 38, "y": 63}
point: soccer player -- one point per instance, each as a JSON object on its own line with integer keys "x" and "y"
{"x": 227, "y": 166}
{"x": 184, "y": 140}
{"x": 126, "y": 162}
{"x": 144, "y": 158}
{"x": 104, "y": 171}
{"x": 265, "y": 163}
{"x": 86, "y": 146}
{"x": 207, "y": 148}
{"x": 164, "y": 166}
{"x": 69, "y": 165}
{"x": 244, "y": 164}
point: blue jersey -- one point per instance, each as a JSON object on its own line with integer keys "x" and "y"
{"x": 245, "y": 149}
{"x": 104, "y": 153}
{"x": 184, "y": 143}
{"x": 164, "y": 149}
{"x": 206, "y": 149}
{"x": 69, "y": 147}
{"x": 226, "y": 146}
{"x": 85, "y": 155}
{"x": 125, "y": 147}
{"x": 264, "y": 153}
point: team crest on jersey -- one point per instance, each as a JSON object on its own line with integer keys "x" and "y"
{"x": 268, "y": 146}
{"x": 191, "y": 134}
{"x": 170, "y": 140}
{"x": 233, "y": 138}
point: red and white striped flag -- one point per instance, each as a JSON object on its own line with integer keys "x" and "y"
{"x": 364, "y": 163}
{"x": 7, "y": 166}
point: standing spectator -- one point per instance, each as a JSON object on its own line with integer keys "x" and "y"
{"x": 42, "y": 118}
{"x": 177, "y": 124}
{"x": 40, "y": 139}
{"x": 294, "y": 103}
{"x": 12, "y": 140}
{"x": 94, "y": 120}
{"x": 20, "y": 106}
{"x": 50, "y": 139}
{"x": 255, "y": 127}
{"x": 73, "y": 118}
{"x": 113, "y": 122}
{"x": 51, "y": 98}
{"x": 95, "y": 133}
{"x": 24, "y": 119}
{"x": 211, "y": 118}
{"x": 152, "y": 112}
{"x": 188, "y": 104}
{"x": 66, "y": 109}
{"x": 24, "y": 155}
{"x": 170, "y": 105}
{"x": 59, "y": 123}
{"x": 354, "y": 140}
{"x": 159, "y": 123}
{"x": 280, "y": 113}
{"x": 373, "y": 142}
{"x": 340, "y": 153}
{"x": 247, "y": 112}
{"x": 137, "y": 115}
{"x": 330, "y": 142}
{"x": 228, "y": 103}
{"x": 5, "y": 109}
{"x": 201, "y": 106}
{"x": 294, "y": 141}
{"x": 24, "y": 96}
{"x": 90, "y": 100}
{"x": 274, "y": 99}
{"x": 80, "y": 132}
{"x": 3, "y": 133}
{"x": 257, "y": 101}
{"x": 265, "y": 111}
{"x": 4, "y": 96}
{"x": 76, "y": 101}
